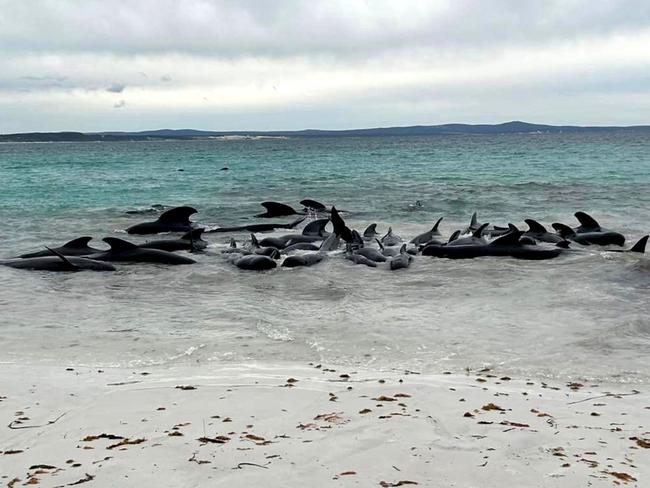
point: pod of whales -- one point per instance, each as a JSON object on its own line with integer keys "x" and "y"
{"x": 313, "y": 244}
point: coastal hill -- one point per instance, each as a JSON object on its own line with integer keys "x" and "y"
{"x": 514, "y": 127}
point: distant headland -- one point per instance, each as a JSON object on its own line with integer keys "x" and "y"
{"x": 514, "y": 127}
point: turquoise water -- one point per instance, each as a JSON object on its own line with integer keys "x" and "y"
{"x": 585, "y": 314}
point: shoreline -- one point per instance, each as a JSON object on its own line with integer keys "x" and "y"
{"x": 314, "y": 425}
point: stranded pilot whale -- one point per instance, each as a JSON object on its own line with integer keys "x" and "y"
{"x": 256, "y": 227}
{"x": 589, "y": 232}
{"x": 276, "y": 209}
{"x": 128, "y": 252}
{"x": 428, "y": 236}
{"x": 173, "y": 220}
{"x": 56, "y": 261}
{"x": 507, "y": 245}
{"x": 189, "y": 242}
{"x": 75, "y": 247}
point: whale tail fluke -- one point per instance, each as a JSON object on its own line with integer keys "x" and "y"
{"x": 640, "y": 245}
{"x": 340, "y": 229}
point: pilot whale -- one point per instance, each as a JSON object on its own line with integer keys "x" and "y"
{"x": 507, "y": 245}
{"x": 256, "y": 227}
{"x": 589, "y": 232}
{"x": 125, "y": 251}
{"x": 173, "y": 220}
{"x": 75, "y": 247}
{"x": 428, "y": 236}
{"x": 189, "y": 242}
{"x": 276, "y": 209}
{"x": 58, "y": 262}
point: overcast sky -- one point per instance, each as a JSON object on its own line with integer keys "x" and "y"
{"x": 291, "y": 64}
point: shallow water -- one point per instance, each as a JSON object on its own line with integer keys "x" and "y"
{"x": 581, "y": 315}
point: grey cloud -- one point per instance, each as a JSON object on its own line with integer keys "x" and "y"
{"x": 119, "y": 104}
{"x": 341, "y": 29}
{"x": 116, "y": 88}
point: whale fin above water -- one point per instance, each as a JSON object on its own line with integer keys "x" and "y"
{"x": 78, "y": 242}
{"x": 563, "y": 230}
{"x": 479, "y": 232}
{"x": 586, "y": 221}
{"x": 233, "y": 243}
{"x": 474, "y": 221}
{"x": 254, "y": 241}
{"x": 276, "y": 209}
{"x": 119, "y": 245}
{"x": 534, "y": 226}
{"x": 509, "y": 239}
{"x": 454, "y": 236}
{"x": 435, "y": 226}
{"x": 194, "y": 234}
{"x": 313, "y": 204}
{"x": 370, "y": 231}
{"x": 63, "y": 258}
{"x": 563, "y": 244}
{"x": 316, "y": 227}
{"x": 177, "y": 215}
{"x": 640, "y": 245}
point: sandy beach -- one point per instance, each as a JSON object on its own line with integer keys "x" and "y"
{"x": 315, "y": 425}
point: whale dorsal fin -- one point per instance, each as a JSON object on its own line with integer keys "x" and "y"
{"x": 563, "y": 244}
{"x": 435, "y": 226}
{"x": 563, "y": 230}
{"x": 474, "y": 220}
{"x": 454, "y": 236}
{"x": 381, "y": 246}
{"x": 277, "y": 208}
{"x": 315, "y": 228}
{"x": 587, "y": 221}
{"x": 534, "y": 226}
{"x": 356, "y": 238}
{"x": 479, "y": 232}
{"x": 509, "y": 239}
{"x": 233, "y": 243}
{"x": 640, "y": 245}
{"x": 370, "y": 231}
{"x": 78, "y": 242}
{"x": 402, "y": 250}
{"x": 312, "y": 204}
{"x": 62, "y": 257}
{"x": 193, "y": 234}
{"x": 118, "y": 245}
{"x": 390, "y": 232}
{"x": 254, "y": 241}
{"x": 177, "y": 215}
{"x": 296, "y": 222}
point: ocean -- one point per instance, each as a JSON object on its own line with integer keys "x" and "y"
{"x": 583, "y": 315}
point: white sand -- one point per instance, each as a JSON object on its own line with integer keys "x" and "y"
{"x": 309, "y": 433}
